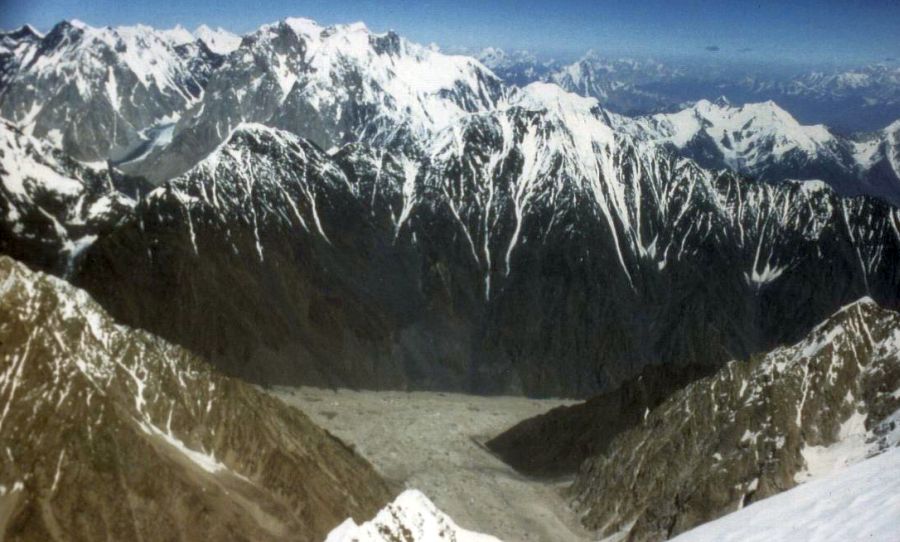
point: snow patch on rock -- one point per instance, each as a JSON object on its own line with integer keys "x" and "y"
{"x": 412, "y": 517}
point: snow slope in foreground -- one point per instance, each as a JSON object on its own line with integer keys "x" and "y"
{"x": 412, "y": 517}
{"x": 860, "y": 502}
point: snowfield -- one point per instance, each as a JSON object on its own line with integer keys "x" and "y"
{"x": 860, "y": 502}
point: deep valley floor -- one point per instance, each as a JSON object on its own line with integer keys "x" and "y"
{"x": 431, "y": 441}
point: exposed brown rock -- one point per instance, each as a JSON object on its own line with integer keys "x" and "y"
{"x": 110, "y": 433}
{"x": 741, "y": 435}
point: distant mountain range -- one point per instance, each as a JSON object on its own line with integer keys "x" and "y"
{"x": 860, "y": 99}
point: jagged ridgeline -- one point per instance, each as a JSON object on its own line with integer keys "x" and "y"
{"x": 110, "y": 433}
{"x": 95, "y": 91}
{"x": 506, "y": 262}
{"x": 457, "y": 233}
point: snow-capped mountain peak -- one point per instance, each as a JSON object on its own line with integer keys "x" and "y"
{"x": 764, "y": 127}
{"x": 178, "y": 35}
{"x": 334, "y": 85}
{"x": 23, "y": 31}
{"x": 412, "y": 517}
{"x": 93, "y": 91}
{"x": 218, "y": 40}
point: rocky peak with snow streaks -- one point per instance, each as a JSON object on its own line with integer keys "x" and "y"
{"x": 332, "y": 85}
{"x": 93, "y": 91}
{"x": 752, "y": 430}
{"x": 465, "y": 230}
{"x": 98, "y": 417}
{"x": 52, "y": 207}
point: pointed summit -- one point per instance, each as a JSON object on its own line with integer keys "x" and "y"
{"x": 722, "y": 102}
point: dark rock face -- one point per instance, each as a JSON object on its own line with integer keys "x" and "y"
{"x": 555, "y": 444}
{"x": 51, "y": 207}
{"x": 112, "y": 433}
{"x": 464, "y": 236}
{"x": 752, "y": 430}
{"x": 498, "y": 265}
{"x": 276, "y": 291}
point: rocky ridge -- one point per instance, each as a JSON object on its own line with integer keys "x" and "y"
{"x": 753, "y": 430}
{"x": 110, "y": 432}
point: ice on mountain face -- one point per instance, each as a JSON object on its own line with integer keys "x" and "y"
{"x": 335, "y": 85}
{"x": 218, "y": 40}
{"x": 408, "y": 79}
{"x": 107, "y": 85}
{"x": 178, "y": 35}
{"x": 147, "y": 56}
{"x": 861, "y": 502}
{"x": 55, "y": 209}
{"x": 412, "y": 517}
{"x": 852, "y": 446}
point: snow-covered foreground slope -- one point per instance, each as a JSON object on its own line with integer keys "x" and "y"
{"x": 860, "y": 502}
{"x": 412, "y": 517}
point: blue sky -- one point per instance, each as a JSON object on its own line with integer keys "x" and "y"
{"x": 800, "y": 30}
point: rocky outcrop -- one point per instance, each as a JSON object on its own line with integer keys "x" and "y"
{"x": 752, "y": 430}
{"x": 51, "y": 207}
{"x": 112, "y": 433}
{"x": 556, "y": 443}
